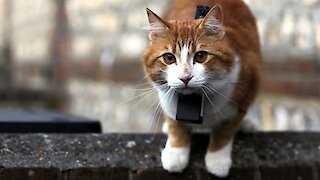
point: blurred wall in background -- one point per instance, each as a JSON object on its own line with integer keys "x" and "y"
{"x": 85, "y": 57}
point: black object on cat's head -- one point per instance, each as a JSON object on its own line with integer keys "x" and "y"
{"x": 201, "y": 12}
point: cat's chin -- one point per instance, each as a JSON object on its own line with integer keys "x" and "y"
{"x": 186, "y": 90}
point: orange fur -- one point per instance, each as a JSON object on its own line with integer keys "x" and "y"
{"x": 240, "y": 38}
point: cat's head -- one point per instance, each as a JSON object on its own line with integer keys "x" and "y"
{"x": 188, "y": 55}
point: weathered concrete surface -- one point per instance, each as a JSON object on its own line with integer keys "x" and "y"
{"x": 137, "y": 156}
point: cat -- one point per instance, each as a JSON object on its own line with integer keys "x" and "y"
{"x": 218, "y": 56}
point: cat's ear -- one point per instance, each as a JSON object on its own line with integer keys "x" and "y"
{"x": 157, "y": 26}
{"x": 213, "y": 22}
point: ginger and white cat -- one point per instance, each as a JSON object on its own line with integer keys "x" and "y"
{"x": 217, "y": 56}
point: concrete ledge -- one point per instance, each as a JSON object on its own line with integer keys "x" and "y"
{"x": 258, "y": 156}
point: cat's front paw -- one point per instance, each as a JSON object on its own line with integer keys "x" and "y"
{"x": 175, "y": 159}
{"x": 218, "y": 165}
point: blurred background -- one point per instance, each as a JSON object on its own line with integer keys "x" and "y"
{"x": 83, "y": 57}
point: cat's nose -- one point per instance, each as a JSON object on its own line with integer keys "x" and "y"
{"x": 186, "y": 79}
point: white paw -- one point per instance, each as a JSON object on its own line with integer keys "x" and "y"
{"x": 175, "y": 159}
{"x": 218, "y": 165}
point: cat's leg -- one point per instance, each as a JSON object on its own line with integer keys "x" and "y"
{"x": 218, "y": 158}
{"x": 218, "y": 161}
{"x": 175, "y": 155}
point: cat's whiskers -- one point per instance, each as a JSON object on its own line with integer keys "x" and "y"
{"x": 137, "y": 96}
{"x": 216, "y": 113}
{"x": 144, "y": 77}
{"x": 227, "y": 85}
{"x": 155, "y": 116}
{"x": 158, "y": 117}
{"x": 222, "y": 95}
{"x": 176, "y": 85}
{"x": 158, "y": 113}
{"x": 228, "y": 82}
{"x": 139, "y": 87}
{"x": 148, "y": 93}
{"x": 145, "y": 97}
{"x": 207, "y": 96}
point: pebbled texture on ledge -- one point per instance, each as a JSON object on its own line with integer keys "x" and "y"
{"x": 137, "y": 156}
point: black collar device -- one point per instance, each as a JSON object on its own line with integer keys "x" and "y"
{"x": 201, "y": 12}
{"x": 190, "y": 108}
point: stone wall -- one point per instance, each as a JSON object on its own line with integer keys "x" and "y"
{"x": 260, "y": 156}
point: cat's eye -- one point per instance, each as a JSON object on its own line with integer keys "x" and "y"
{"x": 200, "y": 56}
{"x": 169, "y": 58}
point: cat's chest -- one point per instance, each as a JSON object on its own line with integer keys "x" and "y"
{"x": 215, "y": 109}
